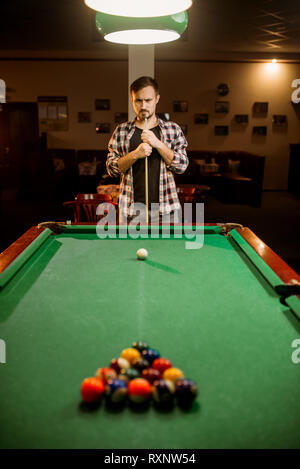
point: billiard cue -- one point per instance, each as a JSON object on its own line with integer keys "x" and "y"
{"x": 146, "y": 181}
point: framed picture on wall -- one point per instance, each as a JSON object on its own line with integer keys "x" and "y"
{"x": 241, "y": 118}
{"x": 121, "y": 117}
{"x": 260, "y": 109}
{"x": 102, "y": 128}
{"x": 165, "y": 116}
{"x": 221, "y": 130}
{"x": 84, "y": 117}
{"x": 180, "y": 106}
{"x": 279, "y": 119}
{"x": 222, "y": 106}
{"x": 201, "y": 119}
{"x": 260, "y": 130}
{"x": 102, "y": 104}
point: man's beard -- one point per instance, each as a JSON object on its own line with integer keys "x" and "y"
{"x": 146, "y": 115}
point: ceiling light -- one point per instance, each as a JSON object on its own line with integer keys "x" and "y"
{"x": 139, "y": 8}
{"x": 124, "y": 30}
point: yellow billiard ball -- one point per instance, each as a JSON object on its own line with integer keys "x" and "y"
{"x": 131, "y": 354}
{"x": 172, "y": 374}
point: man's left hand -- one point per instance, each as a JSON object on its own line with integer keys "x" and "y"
{"x": 150, "y": 138}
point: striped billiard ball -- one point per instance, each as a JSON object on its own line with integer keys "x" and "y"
{"x": 163, "y": 391}
{"x": 116, "y": 391}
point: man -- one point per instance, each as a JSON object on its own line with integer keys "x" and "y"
{"x": 163, "y": 143}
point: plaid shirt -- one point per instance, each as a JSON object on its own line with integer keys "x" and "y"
{"x": 173, "y": 137}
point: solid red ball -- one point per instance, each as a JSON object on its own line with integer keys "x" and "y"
{"x": 92, "y": 390}
{"x": 161, "y": 364}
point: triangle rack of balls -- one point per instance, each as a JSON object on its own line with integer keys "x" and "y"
{"x": 139, "y": 375}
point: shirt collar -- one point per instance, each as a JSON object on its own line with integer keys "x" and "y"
{"x": 161, "y": 122}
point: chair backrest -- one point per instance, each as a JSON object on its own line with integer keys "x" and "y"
{"x": 98, "y": 197}
{"x": 186, "y": 194}
{"x": 186, "y": 190}
{"x": 85, "y": 210}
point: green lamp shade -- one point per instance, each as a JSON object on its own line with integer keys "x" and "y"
{"x": 156, "y": 30}
{"x": 139, "y": 8}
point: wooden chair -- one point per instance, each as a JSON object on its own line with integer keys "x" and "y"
{"x": 192, "y": 192}
{"x": 186, "y": 194}
{"x": 101, "y": 197}
{"x": 85, "y": 206}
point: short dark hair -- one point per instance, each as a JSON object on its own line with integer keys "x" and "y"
{"x": 142, "y": 82}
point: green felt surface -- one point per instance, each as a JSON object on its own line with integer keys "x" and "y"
{"x": 80, "y": 300}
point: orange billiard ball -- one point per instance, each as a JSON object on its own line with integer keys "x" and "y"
{"x": 139, "y": 390}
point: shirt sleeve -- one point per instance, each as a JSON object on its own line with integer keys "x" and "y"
{"x": 179, "y": 144}
{"x": 114, "y": 154}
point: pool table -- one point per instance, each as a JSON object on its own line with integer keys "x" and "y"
{"x": 226, "y": 313}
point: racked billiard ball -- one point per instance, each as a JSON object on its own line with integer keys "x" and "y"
{"x": 163, "y": 391}
{"x": 92, "y": 390}
{"x": 105, "y": 374}
{"x": 140, "y": 346}
{"x": 139, "y": 390}
{"x": 141, "y": 364}
{"x": 131, "y": 354}
{"x": 116, "y": 391}
{"x": 129, "y": 373}
{"x": 151, "y": 375}
{"x": 161, "y": 364}
{"x": 172, "y": 374}
{"x": 119, "y": 364}
{"x": 185, "y": 391}
{"x": 150, "y": 354}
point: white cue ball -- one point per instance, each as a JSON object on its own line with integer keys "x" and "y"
{"x": 142, "y": 254}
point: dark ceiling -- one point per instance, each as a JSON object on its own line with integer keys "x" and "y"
{"x": 218, "y": 29}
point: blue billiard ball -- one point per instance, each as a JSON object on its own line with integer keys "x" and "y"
{"x": 116, "y": 391}
{"x": 150, "y": 354}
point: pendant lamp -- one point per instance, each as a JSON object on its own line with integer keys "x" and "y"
{"x": 156, "y": 30}
{"x": 139, "y": 8}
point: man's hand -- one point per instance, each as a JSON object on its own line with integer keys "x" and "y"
{"x": 143, "y": 150}
{"x": 150, "y": 138}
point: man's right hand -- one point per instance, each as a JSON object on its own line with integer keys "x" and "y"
{"x": 143, "y": 150}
